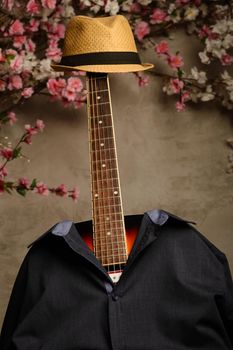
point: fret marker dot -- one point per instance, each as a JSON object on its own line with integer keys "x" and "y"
{"x": 101, "y": 121}
{"x": 108, "y": 233}
{"x": 96, "y": 195}
{"x": 103, "y": 165}
{"x": 98, "y": 97}
{"x": 115, "y": 192}
{"x": 102, "y": 144}
{"x": 107, "y": 218}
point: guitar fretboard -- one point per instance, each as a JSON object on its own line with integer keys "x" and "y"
{"x": 107, "y": 212}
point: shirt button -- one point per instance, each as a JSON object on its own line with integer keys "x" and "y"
{"x": 115, "y": 297}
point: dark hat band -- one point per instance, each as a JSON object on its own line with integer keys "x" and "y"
{"x": 94, "y": 58}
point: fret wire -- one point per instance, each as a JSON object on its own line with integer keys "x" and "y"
{"x": 109, "y": 236}
{"x": 102, "y": 127}
{"x": 105, "y": 169}
{"x": 116, "y": 221}
{"x": 98, "y": 116}
{"x": 112, "y": 256}
{"x": 112, "y": 178}
{"x": 98, "y": 104}
{"x": 109, "y": 188}
{"x": 104, "y": 206}
{"x": 103, "y": 139}
{"x": 120, "y": 242}
{"x": 111, "y": 213}
{"x": 99, "y": 90}
{"x": 107, "y": 196}
{"x": 106, "y": 159}
{"x": 114, "y": 263}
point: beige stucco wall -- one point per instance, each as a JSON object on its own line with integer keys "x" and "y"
{"x": 175, "y": 161}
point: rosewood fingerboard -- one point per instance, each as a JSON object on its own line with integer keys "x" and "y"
{"x": 109, "y": 238}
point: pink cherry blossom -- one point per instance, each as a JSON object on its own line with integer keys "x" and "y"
{"x": 3, "y": 171}
{"x": 16, "y": 28}
{"x": 74, "y": 84}
{"x": 141, "y": 30}
{"x": 56, "y": 31}
{"x": 185, "y": 96}
{"x": 33, "y": 25}
{"x": 40, "y": 125}
{"x": 27, "y": 92}
{"x": 176, "y": 85}
{"x": 180, "y": 106}
{"x": 16, "y": 63}
{"x": 175, "y": 61}
{"x": 33, "y": 7}
{"x": 15, "y": 82}
{"x": 50, "y": 4}
{"x": 6, "y": 153}
{"x": 162, "y": 47}
{"x": 55, "y": 86}
{"x": 30, "y": 129}
{"x": 41, "y": 188}
{"x": 28, "y": 139}
{"x": 61, "y": 190}
{"x": 53, "y": 51}
{"x": 70, "y": 95}
{"x": 135, "y": 7}
{"x": 226, "y": 60}
{"x": 142, "y": 79}
{"x": 11, "y": 52}
{"x": 8, "y": 4}
{"x": 24, "y": 182}
{"x": 12, "y": 118}
{"x": 18, "y": 41}
{"x": 30, "y": 45}
{"x": 158, "y": 16}
{"x": 74, "y": 194}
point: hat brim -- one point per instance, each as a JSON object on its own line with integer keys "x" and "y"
{"x": 105, "y": 68}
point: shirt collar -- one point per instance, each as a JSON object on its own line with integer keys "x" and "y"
{"x": 67, "y": 227}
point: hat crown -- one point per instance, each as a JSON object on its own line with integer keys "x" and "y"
{"x": 98, "y": 34}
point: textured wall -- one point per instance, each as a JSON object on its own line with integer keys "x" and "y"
{"x": 175, "y": 161}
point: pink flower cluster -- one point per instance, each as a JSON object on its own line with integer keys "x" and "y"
{"x": 67, "y": 90}
{"x": 176, "y": 85}
{"x": 32, "y": 130}
{"x": 142, "y": 28}
{"x": 174, "y": 61}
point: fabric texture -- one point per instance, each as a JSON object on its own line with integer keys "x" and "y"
{"x": 175, "y": 292}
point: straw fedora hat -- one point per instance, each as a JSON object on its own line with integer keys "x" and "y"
{"x": 100, "y": 44}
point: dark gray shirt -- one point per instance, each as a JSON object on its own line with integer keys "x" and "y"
{"x": 175, "y": 292}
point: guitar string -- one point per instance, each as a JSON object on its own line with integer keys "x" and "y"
{"x": 122, "y": 229}
{"x": 96, "y": 187}
{"x": 101, "y": 170}
{"x": 89, "y": 100}
{"x": 114, "y": 156}
{"x": 115, "y": 235}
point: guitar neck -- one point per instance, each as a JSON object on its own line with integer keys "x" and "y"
{"x": 107, "y": 212}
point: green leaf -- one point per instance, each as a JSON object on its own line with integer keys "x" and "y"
{"x": 16, "y": 152}
{"x": 33, "y": 184}
{"x": 8, "y": 186}
{"x": 22, "y": 191}
{"x": 9, "y": 58}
